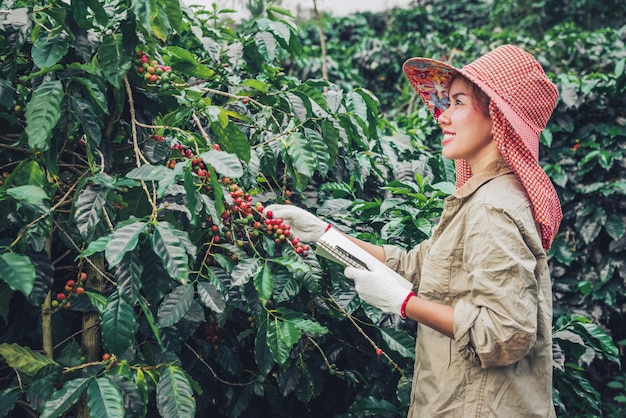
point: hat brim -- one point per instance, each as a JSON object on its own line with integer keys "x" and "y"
{"x": 431, "y": 80}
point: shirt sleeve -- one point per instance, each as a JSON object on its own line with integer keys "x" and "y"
{"x": 407, "y": 263}
{"x": 497, "y": 324}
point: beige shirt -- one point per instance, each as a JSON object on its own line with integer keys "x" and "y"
{"x": 485, "y": 259}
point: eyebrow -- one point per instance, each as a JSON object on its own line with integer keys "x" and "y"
{"x": 460, "y": 93}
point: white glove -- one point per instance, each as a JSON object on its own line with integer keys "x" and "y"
{"x": 381, "y": 287}
{"x": 304, "y": 225}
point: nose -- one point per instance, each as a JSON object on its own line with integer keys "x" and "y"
{"x": 443, "y": 118}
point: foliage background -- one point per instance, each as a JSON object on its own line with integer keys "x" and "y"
{"x": 102, "y": 176}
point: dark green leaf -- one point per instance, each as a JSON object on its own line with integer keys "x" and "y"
{"x": 286, "y": 286}
{"x": 211, "y": 297}
{"x": 97, "y": 300}
{"x": 98, "y": 11}
{"x": 49, "y": 48}
{"x": 18, "y": 271}
{"x": 275, "y": 341}
{"x": 228, "y": 360}
{"x": 172, "y": 252}
{"x": 266, "y": 44}
{"x": 96, "y": 246}
{"x": 223, "y": 162}
{"x": 133, "y": 401}
{"x": 128, "y": 276}
{"x": 149, "y": 173}
{"x": 316, "y": 96}
{"x": 151, "y": 322}
{"x": 88, "y": 119}
{"x": 123, "y": 240}
{"x": 29, "y": 173}
{"x": 399, "y": 341}
{"x": 104, "y": 400}
{"x": 88, "y": 209}
{"x": 301, "y": 106}
{"x": 264, "y": 283}
{"x": 175, "y": 305}
{"x": 288, "y": 379}
{"x": 233, "y": 141}
{"x": 32, "y": 197}
{"x": 300, "y": 321}
{"x": 174, "y": 14}
{"x": 262, "y": 353}
{"x": 615, "y": 226}
{"x": 371, "y": 406}
{"x": 192, "y": 195}
{"x": 7, "y": 95}
{"x": 174, "y": 395}
{"x": 302, "y": 154}
{"x": 8, "y": 398}
{"x": 598, "y": 340}
{"x": 64, "y": 398}
{"x": 245, "y": 270}
{"x": 42, "y": 114}
{"x": 118, "y": 324}
{"x": 321, "y": 151}
{"x": 590, "y": 229}
{"x": 24, "y": 359}
{"x": 114, "y": 58}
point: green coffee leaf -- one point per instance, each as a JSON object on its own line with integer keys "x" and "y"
{"x": 18, "y": 271}
{"x": 42, "y": 114}
{"x": 24, "y": 359}
{"x": 64, "y": 398}
{"x": 175, "y": 305}
{"x": 174, "y": 395}
{"x": 104, "y": 399}
{"x": 118, "y": 324}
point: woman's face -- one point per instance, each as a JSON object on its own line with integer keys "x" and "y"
{"x": 467, "y": 127}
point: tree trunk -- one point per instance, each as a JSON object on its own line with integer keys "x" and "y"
{"x": 91, "y": 327}
{"x": 46, "y": 315}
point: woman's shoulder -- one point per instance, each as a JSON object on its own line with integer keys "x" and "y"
{"x": 505, "y": 192}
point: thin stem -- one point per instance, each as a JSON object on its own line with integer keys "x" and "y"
{"x": 322, "y": 42}
{"x": 360, "y": 330}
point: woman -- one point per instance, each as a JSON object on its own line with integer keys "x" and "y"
{"x": 482, "y": 288}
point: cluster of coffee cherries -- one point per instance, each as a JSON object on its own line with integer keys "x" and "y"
{"x": 213, "y": 333}
{"x": 244, "y": 220}
{"x": 197, "y": 165}
{"x": 151, "y": 70}
{"x": 72, "y": 289}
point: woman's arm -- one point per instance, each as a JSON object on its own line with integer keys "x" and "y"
{"x": 432, "y": 314}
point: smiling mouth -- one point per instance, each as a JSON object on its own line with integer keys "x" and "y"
{"x": 447, "y": 138}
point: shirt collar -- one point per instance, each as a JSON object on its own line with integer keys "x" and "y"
{"x": 495, "y": 169}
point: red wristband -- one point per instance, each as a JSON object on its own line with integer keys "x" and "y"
{"x": 403, "y": 307}
{"x": 327, "y": 227}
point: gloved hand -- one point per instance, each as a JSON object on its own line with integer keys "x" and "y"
{"x": 381, "y": 287}
{"x": 304, "y": 225}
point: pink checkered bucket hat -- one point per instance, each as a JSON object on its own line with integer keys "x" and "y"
{"x": 522, "y": 99}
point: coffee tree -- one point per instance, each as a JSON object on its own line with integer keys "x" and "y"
{"x": 141, "y": 273}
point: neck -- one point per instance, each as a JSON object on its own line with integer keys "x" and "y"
{"x": 482, "y": 161}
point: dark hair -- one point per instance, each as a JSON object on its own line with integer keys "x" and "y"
{"x": 481, "y": 98}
